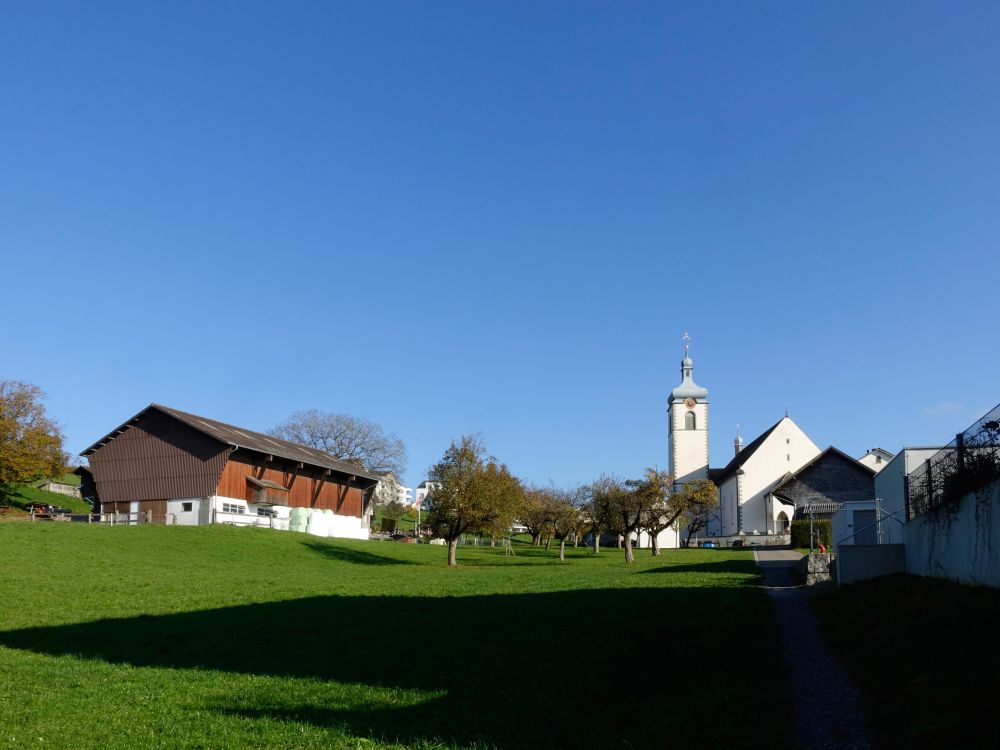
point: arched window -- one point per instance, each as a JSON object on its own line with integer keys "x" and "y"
{"x": 689, "y": 421}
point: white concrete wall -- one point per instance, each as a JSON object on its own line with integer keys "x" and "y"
{"x": 688, "y": 448}
{"x": 177, "y": 515}
{"x": 859, "y": 562}
{"x": 960, "y": 542}
{"x": 890, "y": 482}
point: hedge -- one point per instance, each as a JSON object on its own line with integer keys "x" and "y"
{"x": 800, "y": 533}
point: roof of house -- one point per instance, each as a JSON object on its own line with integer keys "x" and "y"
{"x": 741, "y": 458}
{"x": 791, "y": 476}
{"x": 239, "y": 437}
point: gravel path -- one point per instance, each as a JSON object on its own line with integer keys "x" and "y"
{"x": 827, "y": 708}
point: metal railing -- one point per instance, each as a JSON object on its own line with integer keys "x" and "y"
{"x": 967, "y": 463}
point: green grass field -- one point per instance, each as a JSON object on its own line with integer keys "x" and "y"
{"x": 923, "y": 652}
{"x": 18, "y": 497}
{"x": 125, "y": 637}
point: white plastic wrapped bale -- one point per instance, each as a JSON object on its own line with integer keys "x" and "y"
{"x": 298, "y": 519}
{"x": 319, "y": 524}
{"x": 348, "y": 527}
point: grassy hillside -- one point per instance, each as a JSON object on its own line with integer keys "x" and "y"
{"x": 19, "y": 496}
{"x": 229, "y": 638}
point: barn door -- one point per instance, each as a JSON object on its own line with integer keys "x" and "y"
{"x": 153, "y": 511}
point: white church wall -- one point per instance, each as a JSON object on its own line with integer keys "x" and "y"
{"x": 785, "y": 450}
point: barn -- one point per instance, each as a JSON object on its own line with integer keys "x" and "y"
{"x": 168, "y": 466}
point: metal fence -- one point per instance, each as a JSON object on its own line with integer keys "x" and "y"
{"x": 967, "y": 463}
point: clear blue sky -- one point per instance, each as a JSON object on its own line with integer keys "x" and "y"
{"x": 501, "y": 217}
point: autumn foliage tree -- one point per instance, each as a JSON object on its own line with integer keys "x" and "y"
{"x": 473, "y": 492}
{"x": 659, "y": 513}
{"x": 31, "y": 443}
{"x": 695, "y": 501}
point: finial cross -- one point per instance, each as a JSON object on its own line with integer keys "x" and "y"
{"x": 686, "y": 339}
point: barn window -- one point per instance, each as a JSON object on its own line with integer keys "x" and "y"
{"x": 689, "y": 421}
{"x": 187, "y": 507}
{"x": 233, "y": 508}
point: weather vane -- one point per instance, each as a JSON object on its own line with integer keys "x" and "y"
{"x": 685, "y": 338}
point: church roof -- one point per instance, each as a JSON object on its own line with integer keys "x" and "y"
{"x": 741, "y": 458}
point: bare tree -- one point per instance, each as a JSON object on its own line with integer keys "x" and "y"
{"x": 348, "y": 438}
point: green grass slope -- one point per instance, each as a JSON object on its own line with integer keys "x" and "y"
{"x": 19, "y": 496}
{"x": 134, "y": 637}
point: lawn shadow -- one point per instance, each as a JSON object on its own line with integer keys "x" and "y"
{"x": 353, "y": 555}
{"x": 632, "y": 667}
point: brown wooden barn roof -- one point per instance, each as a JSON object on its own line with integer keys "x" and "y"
{"x": 239, "y": 437}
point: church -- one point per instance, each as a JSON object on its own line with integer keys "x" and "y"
{"x": 767, "y": 483}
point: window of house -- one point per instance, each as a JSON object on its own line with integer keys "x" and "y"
{"x": 689, "y": 421}
{"x": 233, "y": 508}
{"x": 878, "y": 459}
{"x": 788, "y": 456}
{"x": 187, "y": 507}
{"x": 267, "y": 512}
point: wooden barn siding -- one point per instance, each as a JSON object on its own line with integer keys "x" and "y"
{"x": 233, "y": 483}
{"x": 158, "y": 457}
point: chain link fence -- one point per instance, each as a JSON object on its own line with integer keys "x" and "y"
{"x": 966, "y": 464}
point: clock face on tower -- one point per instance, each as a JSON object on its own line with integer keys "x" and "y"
{"x": 689, "y": 403}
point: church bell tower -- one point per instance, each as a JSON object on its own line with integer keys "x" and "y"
{"x": 687, "y": 416}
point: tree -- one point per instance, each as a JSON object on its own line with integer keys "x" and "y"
{"x": 536, "y": 514}
{"x": 473, "y": 492}
{"x": 31, "y": 443}
{"x": 659, "y": 514}
{"x": 624, "y": 504}
{"x": 348, "y": 438}
{"x": 565, "y": 519}
{"x": 697, "y": 499}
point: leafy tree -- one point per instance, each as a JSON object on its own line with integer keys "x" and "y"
{"x": 696, "y": 499}
{"x": 31, "y": 443}
{"x": 348, "y": 438}
{"x": 536, "y": 513}
{"x": 659, "y": 513}
{"x": 474, "y": 492}
{"x": 625, "y": 506}
{"x": 565, "y": 519}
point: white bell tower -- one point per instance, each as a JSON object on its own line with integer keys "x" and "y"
{"x": 687, "y": 416}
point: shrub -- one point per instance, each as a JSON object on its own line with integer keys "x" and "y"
{"x": 822, "y": 528}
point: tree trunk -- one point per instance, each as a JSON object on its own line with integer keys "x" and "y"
{"x": 536, "y": 539}
{"x": 493, "y": 541}
{"x": 452, "y": 549}
{"x": 656, "y": 544}
{"x": 629, "y": 557}
{"x": 619, "y": 543}
{"x": 562, "y": 548}
{"x": 576, "y": 540}
{"x": 547, "y": 540}
{"x": 597, "y": 542}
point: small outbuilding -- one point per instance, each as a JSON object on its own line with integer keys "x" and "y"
{"x": 168, "y": 466}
